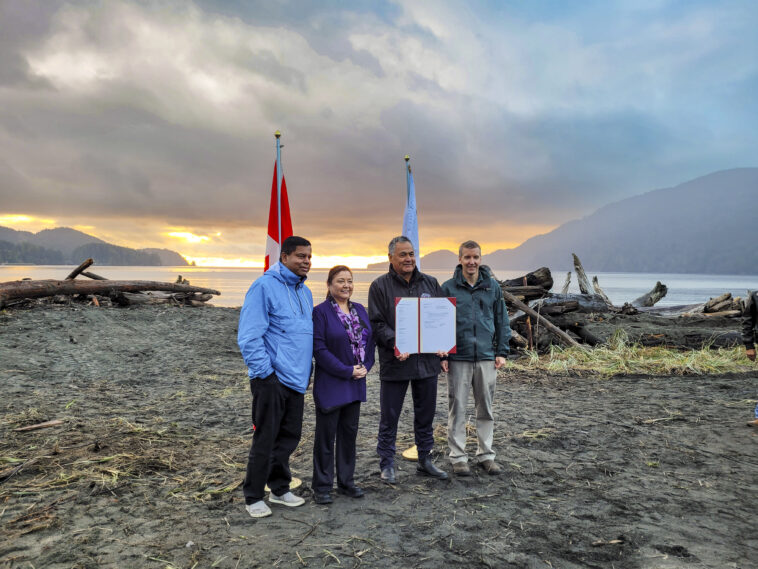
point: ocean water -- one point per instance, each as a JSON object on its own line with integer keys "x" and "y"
{"x": 234, "y": 282}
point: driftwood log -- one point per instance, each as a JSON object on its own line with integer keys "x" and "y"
{"x": 36, "y": 289}
{"x": 541, "y": 278}
{"x": 566, "y": 284}
{"x": 581, "y": 276}
{"x": 85, "y": 265}
{"x": 565, "y": 338}
{"x": 649, "y": 299}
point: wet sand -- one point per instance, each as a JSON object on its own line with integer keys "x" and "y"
{"x": 145, "y": 470}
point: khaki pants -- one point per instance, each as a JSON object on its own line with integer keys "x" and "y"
{"x": 461, "y": 377}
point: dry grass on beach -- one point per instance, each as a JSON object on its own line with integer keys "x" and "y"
{"x": 619, "y": 357}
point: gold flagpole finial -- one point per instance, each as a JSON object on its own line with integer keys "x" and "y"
{"x": 277, "y": 134}
{"x": 407, "y": 157}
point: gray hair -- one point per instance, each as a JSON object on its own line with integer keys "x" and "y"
{"x": 396, "y": 240}
{"x": 469, "y": 245}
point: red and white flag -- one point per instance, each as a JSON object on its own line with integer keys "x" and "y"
{"x": 279, "y": 221}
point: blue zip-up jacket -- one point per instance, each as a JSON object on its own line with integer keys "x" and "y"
{"x": 276, "y": 328}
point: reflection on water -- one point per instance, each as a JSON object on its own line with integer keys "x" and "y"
{"x": 234, "y": 282}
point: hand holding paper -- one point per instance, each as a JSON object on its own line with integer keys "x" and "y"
{"x": 424, "y": 326}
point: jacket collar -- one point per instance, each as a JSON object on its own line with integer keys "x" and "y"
{"x": 283, "y": 274}
{"x": 414, "y": 275}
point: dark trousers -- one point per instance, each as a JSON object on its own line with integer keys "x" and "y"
{"x": 278, "y": 420}
{"x": 391, "y": 397}
{"x": 340, "y": 425}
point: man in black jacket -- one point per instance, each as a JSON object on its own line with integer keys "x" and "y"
{"x": 397, "y": 371}
{"x": 749, "y": 333}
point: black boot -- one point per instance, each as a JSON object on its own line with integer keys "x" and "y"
{"x": 426, "y": 468}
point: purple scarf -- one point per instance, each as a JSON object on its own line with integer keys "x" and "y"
{"x": 355, "y": 329}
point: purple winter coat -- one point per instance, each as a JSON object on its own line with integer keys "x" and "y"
{"x": 333, "y": 384}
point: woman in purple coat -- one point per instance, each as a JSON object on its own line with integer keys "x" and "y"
{"x": 344, "y": 353}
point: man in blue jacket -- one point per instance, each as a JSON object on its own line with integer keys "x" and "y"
{"x": 276, "y": 340}
{"x": 482, "y": 332}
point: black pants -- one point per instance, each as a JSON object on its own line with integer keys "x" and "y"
{"x": 340, "y": 425}
{"x": 391, "y": 397}
{"x": 278, "y": 420}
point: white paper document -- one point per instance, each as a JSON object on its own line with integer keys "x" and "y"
{"x": 424, "y": 325}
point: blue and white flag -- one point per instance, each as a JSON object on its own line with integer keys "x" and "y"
{"x": 410, "y": 219}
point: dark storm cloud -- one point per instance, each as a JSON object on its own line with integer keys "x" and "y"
{"x": 167, "y": 112}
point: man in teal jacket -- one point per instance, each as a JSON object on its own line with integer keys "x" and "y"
{"x": 482, "y": 333}
{"x": 275, "y": 337}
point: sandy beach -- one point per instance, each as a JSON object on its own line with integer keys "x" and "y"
{"x": 623, "y": 472}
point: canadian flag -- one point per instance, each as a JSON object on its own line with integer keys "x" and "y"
{"x": 279, "y": 221}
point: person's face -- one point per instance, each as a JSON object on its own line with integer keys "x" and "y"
{"x": 341, "y": 287}
{"x": 403, "y": 259}
{"x": 299, "y": 261}
{"x": 470, "y": 260}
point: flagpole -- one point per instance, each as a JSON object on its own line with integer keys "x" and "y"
{"x": 407, "y": 177}
{"x": 278, "y": 134}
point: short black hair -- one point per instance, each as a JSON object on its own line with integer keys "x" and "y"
{"x": 292, "y": 243}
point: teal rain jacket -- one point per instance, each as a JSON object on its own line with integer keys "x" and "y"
{"x": 482, "y": 328}
{"x": 276, "y": 328}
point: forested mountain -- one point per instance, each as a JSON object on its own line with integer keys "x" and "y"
{"x": 707, "y": 225}
{"x": 63, "y": 246}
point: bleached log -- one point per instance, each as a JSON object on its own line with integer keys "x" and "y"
{"x": 41, "y": 288}
{"x": 581, "y": 276}
{"x": 600, "y": 292}
{"x": 710, "y": 305}
{"x": 565, "y": 288}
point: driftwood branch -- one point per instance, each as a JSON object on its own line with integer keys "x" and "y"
{"x": 93, "y": 276}
{"x": 565, "y": 338}
{"x": 53, "y": 423}
{"x": 79, "y": 269}
{"x": 36, "y": 289}
{"x": 600, "y": 292}
{"x": 565, "y": 288}
{"x": 649, "y": 299}
{"x": 581, "y": 276}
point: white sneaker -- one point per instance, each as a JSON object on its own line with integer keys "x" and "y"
{"x": 258, "y": 510}
{"x": 286, "y": 499}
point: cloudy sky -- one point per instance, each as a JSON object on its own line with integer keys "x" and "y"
{"x": 150, "y": 124}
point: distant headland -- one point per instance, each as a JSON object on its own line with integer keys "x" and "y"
{"x": 66, "y": 246}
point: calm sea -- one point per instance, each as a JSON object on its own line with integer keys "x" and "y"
{"x": 233, "y": 283}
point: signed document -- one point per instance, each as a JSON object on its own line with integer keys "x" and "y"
{"x": 424, "y": 325}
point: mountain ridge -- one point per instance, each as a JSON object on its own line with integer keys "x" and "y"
{"x": 64, "y": 245}
{"x": 707, "y": 225}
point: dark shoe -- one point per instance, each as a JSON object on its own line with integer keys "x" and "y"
{"x": 322, "y": 498}
{"x": 461, "y": 469}
{"x": 753, "y": 423}
{"x": 388, "y": 475}
{"x": 426, "y": 468}
{"x": 491, "y": 467}
{"x": 351, "y": 491}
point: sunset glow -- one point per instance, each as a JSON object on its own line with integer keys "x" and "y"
{"x": 24, "y": 222}
{"x": 189, "y": 237}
